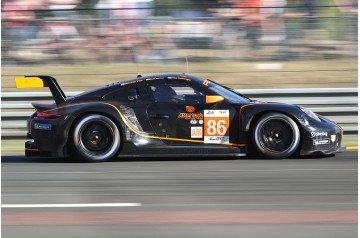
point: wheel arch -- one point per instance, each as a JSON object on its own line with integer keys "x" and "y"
{"x": 256, "y": 117}
{"x": 78, "y": 115}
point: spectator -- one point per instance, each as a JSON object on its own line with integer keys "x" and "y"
{"x": 248, "y": 11}
{"x": 17, "y": 18}
{"x": 63, "y": 8}
{"x": 108, "y": 10}
{"x": 272, "y": 25}
{"x": 297, "y": 18}
{"x": 350, "y": 8}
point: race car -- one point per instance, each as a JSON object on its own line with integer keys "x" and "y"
{"x": 168, "y": 115}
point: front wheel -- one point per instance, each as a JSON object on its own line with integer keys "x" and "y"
{"x": 96, "y": 138}
{"x": 276, "y": 136}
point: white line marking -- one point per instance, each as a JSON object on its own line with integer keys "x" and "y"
{"x": 70, "y": 205}
{"x": 172, "y": 171}
{"x": 268, "y": 66}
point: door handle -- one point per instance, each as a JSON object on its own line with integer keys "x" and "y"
{"x": 159, "y": 116}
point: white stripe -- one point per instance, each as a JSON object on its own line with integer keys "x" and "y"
{"x": 269, "y": 66}
{"x": 173, "y": 171}
{"x": 70, "y": 205}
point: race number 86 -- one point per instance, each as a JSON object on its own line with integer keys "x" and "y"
{"x": 216, "y": 126}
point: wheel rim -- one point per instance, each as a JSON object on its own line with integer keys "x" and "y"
{"x": 96, "y": 138}
{"x": 276, "y": 135}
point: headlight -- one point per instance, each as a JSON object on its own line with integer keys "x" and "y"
{"x": 310, "y": 114}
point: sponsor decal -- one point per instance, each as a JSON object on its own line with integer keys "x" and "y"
{"x": 201, "y": 122}
{"x": 41, "y": 126}
{"x": 316, "y": 134}
{"x": 191, "y": 116}
{"x": 216, "y": 139}
{"x": 333, "y": 138}
{"x": 206, "y": 82}
{"x": 181, "y": 78}
{"x": 322, "y": 141}
{"x": 196, "y": 132}
{"x": 216, "y": 126}
{"x": 209, "y": 112}
{"x": 216, "y": 113}
{"x": 193, "y": 122}
{"x": 158, "y": 78}
{"x": 306, "y": 122}
{"x": 190, "y": 109}
{"x": 128, "y": 83}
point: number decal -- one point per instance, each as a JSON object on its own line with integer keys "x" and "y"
{"x": 211, "y": 127}
{"x": 216, "y": 126}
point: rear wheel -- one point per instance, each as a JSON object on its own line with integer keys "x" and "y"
{"x": 96, "y": 138}
{"x": 276, "y": 136}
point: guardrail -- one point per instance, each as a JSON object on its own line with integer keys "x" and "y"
{"x": 337, "y": 104}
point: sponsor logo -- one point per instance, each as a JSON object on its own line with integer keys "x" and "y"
{"x": 223, "y": 112}
{"x": 196, "y": 132}
{"x": 216, "y": 113}
{"x": 201, "y": 122}
{"x": 190, "y": 109}
{"x": 333, "y": 138}
{"x": 306, "y": 122}
{"x": 316, "y": 134}
{"x": 193, "y": 122}
{"x": 136, "y": 81}
{"x": 216, "y": 139}
{"x": 209, "y": 112}
{"x": 206, "y": 82}
{"x": 322, "y": 141}
{"x": 190, "y": 116}
{"x": 41, "y": 126}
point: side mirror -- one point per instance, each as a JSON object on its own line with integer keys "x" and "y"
{"x": 214, "y": 99}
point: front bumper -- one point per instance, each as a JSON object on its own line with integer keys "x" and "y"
{"x": 324, "y": 138}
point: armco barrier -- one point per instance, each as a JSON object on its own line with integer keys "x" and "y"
{"x": 337, "y": 104}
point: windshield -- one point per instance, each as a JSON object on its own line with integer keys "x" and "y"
{"x": 228, "y": 93}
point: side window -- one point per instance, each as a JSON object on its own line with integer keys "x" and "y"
{"x": 176, "y": 91}
{"x": 130, "y": 93}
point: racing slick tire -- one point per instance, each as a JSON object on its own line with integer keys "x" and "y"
{"x": 276, "y": 136}
{"x": 96, "y": 138}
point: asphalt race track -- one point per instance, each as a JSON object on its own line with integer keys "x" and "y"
{"x": 183, "y": 197}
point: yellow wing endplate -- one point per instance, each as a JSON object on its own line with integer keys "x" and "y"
{"x": 29, "y": 82}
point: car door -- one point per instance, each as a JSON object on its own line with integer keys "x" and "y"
{"x": 180, "y": 115}
{"x": 133, "y": 100}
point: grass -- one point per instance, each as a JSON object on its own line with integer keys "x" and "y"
{"x": 294, "y": 74}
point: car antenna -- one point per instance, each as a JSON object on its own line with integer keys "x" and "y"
{"x": 187, "y": 64}
{"x": 137, "y": 65}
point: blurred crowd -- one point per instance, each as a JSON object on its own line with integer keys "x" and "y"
{"x": 45, "y": 31}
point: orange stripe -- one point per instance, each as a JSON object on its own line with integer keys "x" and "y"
{"x": 240, "y": 112}
{"x": 31, "y": 149}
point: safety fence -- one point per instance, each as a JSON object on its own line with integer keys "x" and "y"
{"x": 337, "y": 104}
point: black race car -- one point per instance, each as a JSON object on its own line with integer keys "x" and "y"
{"x": 171, "y": 115}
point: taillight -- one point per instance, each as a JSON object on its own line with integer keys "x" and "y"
{"x": 45, "y": 116}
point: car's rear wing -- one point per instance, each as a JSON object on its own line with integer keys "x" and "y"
{"x": 40, "y": 81}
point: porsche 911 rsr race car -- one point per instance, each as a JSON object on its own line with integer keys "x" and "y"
{"x": 171, "y": 115}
